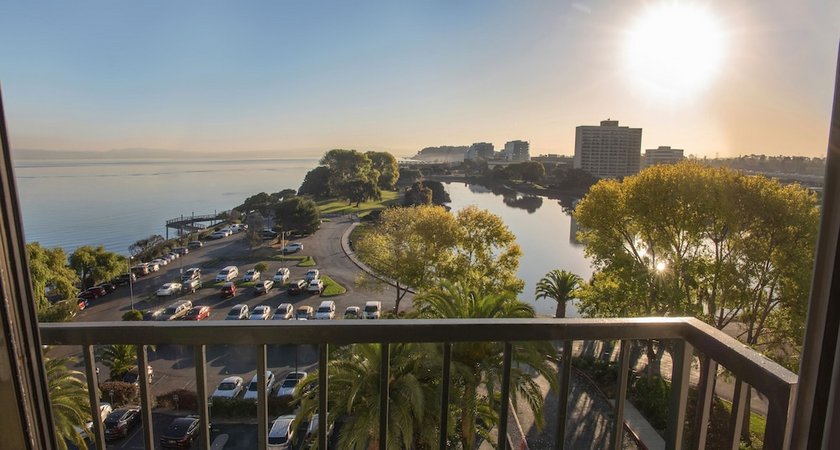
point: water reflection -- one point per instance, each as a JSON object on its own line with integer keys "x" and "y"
{"x": 530, "y": 203}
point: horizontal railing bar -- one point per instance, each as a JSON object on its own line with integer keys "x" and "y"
{"x": 763, "y": 374}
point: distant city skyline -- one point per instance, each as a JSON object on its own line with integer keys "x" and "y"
{"x": 298, "y": 78}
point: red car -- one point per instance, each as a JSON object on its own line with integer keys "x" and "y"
{"x": 228, "y": 290}
{"x": 198, "y": 313}
{"x": 93, "y": 293}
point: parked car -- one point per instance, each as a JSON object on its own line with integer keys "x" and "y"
{"x": 160, "y": 262}
{"x": 238, "y": 312}
{"x": 373, "y": 310}
{"x": 109, "y": 287}
{"x": 181, "y": 250}
{"x": 293, "y": 247}
{"x": 316, "y": 286}
{"x": 252, "y": 275}
{"x": 169, "y": 289}
{"x": 326, "y": 310}
{"x": 353, "y": 312}
{"x": 140, "y": 269}
{"x": 312, "y": 274}
{"x": 120, "y": 422}
{"x": 92, "y": 293}
{"x": 152, "y": 314}
{"x": 176, "y": 310}
{"x": 296, "y": 287}
{"x": 284, "y": 311}
{"x": 180, "y": 433}
{"x": 312, "y": 430}
{"x": 121, "y": 280}
{"x": 287, "y": 386}
{"x": 228, "y": 290}
{"x": 230, "y": 387}
{"x": 191, "y": 274}
{"x": 191, "y": 285}
{"x": 229, "y": 273}
{"x": 281, "y": 435}
{"x": 133, "y": 375}
{"x": 304, "y": 313}
{"x": 262, "y": 287}
{"x": 268, "y": 234}
{"x": 153, "y": 267}
{"x": 195, "y": 244}
{"x": 253, "y": 386}
{"x": 198, "y": 313}
{"x": 261, "y": 312}
{"x": 282, "y": 275}
{"x": 83, "y": 303}
{"x": 218, "y": 235}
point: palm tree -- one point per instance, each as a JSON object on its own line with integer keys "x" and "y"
{"x": 69, "y": 400}
{"x": 354, "y": 393}
{"x": 560, "y": 285}
{"x": 119, "y": 359}
{"x": 477, "y": 366}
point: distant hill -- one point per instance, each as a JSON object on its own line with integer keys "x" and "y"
{"x": 444, "y": 153}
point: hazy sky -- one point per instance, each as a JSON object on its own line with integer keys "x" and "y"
{"x": 300, "y": 77}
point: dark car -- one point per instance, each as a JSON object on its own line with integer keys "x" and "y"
{"x": 180, "y": 433}
{"x": 109, "y": 287}
{"x": 228, "y": 290}
{"x": 92, "y": 293}
{"x": 120, "y": 422}
{"x": 296, "y": 287}
{"x": 198, "y": 313}
{"x": 122, "y": 280}
{"x": 152, "y": 314}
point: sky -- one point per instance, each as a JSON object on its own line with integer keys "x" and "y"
{"x": 296, "y": 78}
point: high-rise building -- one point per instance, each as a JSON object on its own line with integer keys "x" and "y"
{"x": 608, "y": 150}
{"x": 663, "y": 155}
{"x": 516, "y": 151}
{"x": 480, "y": 150}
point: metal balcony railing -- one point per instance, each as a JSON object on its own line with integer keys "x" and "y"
{"x": 750, "y": 368}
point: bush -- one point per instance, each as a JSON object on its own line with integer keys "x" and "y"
{"x": 187, "y": 400}
{"x": 61, "y": 311}
{"x": 124, "y": 393}
{"x": 651, "y": 396}
{"x": 132, "y": 316}
{"x": 238, "y": 407}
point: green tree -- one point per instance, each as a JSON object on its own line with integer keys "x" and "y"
{"x": 262, "y": 203}
{"x": 360, "y": 190}
{"x": 119, "y": 359}
{"x": 417, "y": 195}
{"x": 316, "y": 183}
{"x": 95, "y": 264}
{"x": 50, "y": 275}
{"x": 413, "y": 402}
{"x": 132, "y": 316}
{"x": 561, "y": 286}
{"x": 410, "y": 246}
{"x": 478, "y": 376}
{"x": 69, "y": 400}
{"x": 386, "y": 165}
{"x": 261, "y": 267}
{"x": 709, "y": 242}
{"x": 256, "y": 224}
{"x": 532, "y": 171}
{"x": 144, "y": 248}
{"x": 298, "y": 214}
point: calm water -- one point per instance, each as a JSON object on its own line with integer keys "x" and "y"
{"x": 113, "y": 203}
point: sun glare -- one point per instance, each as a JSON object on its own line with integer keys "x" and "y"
{"x": 674, "y": 49}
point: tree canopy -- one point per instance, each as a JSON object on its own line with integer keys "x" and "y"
{"x": 316, "y": 183}
{"x": 709, "y": 242}
{"x": 351, "y": 175}
{"x": 50, "y": 273}
{"x": 298, "y": 214}
{"x": 386, "y": 165}
{"x": 261, "y": 203}
{"x": 95, "y": 264}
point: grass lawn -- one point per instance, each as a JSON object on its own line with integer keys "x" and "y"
{"x": 306, "y": 262}
{"x": 757, "y": 425}
{"x": 335, "y": 206}
{"x": 300, "y": 260}
{"x": 331, "y": 287}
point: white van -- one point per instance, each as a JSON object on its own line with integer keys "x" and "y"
{"x": 326, "y": 310}
{"x": 373, "y": 310}
{"x": 229, "y": 273}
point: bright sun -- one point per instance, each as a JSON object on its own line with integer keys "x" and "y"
{"x": 675, "y": 49}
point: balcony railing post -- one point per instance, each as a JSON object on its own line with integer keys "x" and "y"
{"x": 621, "y": 394}
{"x": 736, "y": 418}
{"x": 682, "y": 357}
{"x": 705, "y": 394}
{"x": 322, "y": 395}
{"x": 145, "y": 398}
{"x": 564, "y": 375}
{"x": 201, "y": 393}
{"x": 93, "y": 394}
{"x": 780, "y": 416}
{"x": 444, "y": 395}
{"x": 262, "y": 398}
{"x": 505, "y": 400}
{"x": 384, "y": 378}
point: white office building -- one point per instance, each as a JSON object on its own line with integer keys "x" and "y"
{"x": 516, "y": 151}
{"x": 608, "y": 150}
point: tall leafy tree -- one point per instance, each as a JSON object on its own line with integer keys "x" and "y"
{"x": 316, "y": 183}
{"x": 69, "y": 400}
{"x": 386, "y": 165}
{"x": 411, "y": 246}
{"x": 532, "y": 171}
{"x": 298, "y": 214}
{"x": 49, "y": 270}
{"x": 478, "y": 376}
{"x": 561, "y": 286}
{"x": 262, "y": 203}
{"x": 95, "y": 264}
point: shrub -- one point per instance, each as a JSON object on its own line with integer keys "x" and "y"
{"x": 132, "y": 316}
{"x": 124, "y": 393}
{"x": 651, "y": 396}
{"x": 187, "y": 400}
